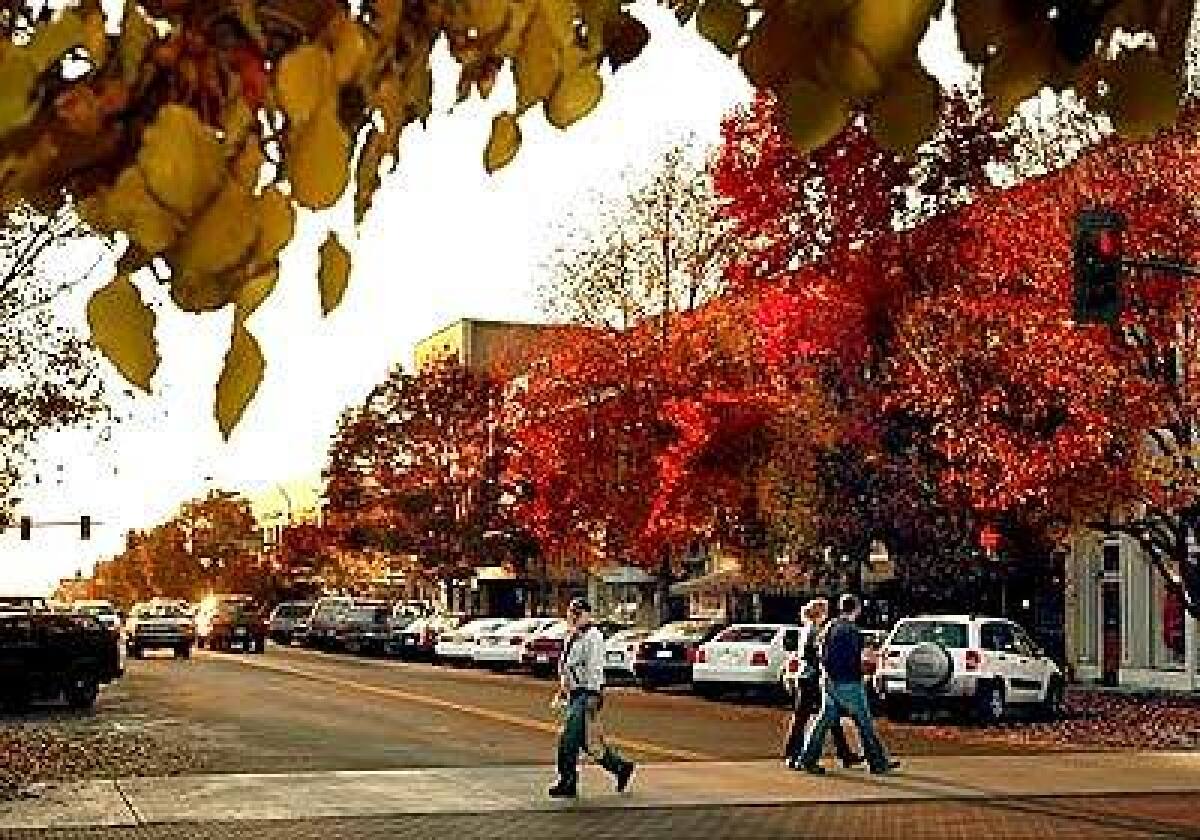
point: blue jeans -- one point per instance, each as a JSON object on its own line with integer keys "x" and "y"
{"x": 850, "y": 698}
{"x": 574, "y": 740}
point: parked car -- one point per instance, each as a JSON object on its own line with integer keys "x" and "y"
{"x": 320, "y": 631}
{"x": 872, "y": 642}
{"x": 974, "y": 665}
{"x": 418, "y": 639}
{"x": 458, "y": 646}
{"x": 665, "y": 656}
{"x": 286, "y": 618}
{"x": 104, "y": 611}
{"x": 620, "y": 651}
{"x": 44, "y": 656}
{"x": 501, "y": 648}
{"x": 542, "y": 650}
{"x": 159, "y": 624}
{"x": 226, "y": 621}
{"x": 746, "y": 656}
{"x": 364, "y": 628}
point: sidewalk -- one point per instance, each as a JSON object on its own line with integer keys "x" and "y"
{"x": 657, "y": 788}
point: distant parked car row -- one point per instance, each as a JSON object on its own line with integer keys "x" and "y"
{"x": 980, "y": 667}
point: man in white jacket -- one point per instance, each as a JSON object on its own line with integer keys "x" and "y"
{"x": 581, "y": 686}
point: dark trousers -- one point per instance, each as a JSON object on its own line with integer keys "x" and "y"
{"x": 574, "y": 740}
{"x": 808, "y": 702}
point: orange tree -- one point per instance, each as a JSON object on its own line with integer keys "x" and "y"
{"x": 197, "y": 127}
{"x": 417, "y": 469}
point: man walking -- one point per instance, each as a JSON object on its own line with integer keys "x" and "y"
{"x": 842, "y": 661}
{"x": 581, "y": 685}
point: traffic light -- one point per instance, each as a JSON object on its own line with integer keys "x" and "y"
{"x": 1098, "y": 253}
{"x": 85, "y": 527}
{"x": 26, "y": 528}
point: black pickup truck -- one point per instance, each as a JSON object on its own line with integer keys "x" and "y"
{"x": 45, "y": 656}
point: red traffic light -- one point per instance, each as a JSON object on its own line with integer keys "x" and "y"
{"x": 1108, "y": 244}
{"x": 989, "y": 538}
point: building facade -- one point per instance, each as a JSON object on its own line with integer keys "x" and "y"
{"x": 480, "y": 346}
{"x": 1123, "y": 625}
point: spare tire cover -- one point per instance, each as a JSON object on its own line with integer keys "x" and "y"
{"x": 928, "y": 667}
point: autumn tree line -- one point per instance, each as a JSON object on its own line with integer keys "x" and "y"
{"x": 800, "y": 354}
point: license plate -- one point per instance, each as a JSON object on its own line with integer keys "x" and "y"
{"x": 664, "y": 654}
{"x": 543, "y": 657}
{"x": 613, "y": 656}
{"x": 241, "y": 631}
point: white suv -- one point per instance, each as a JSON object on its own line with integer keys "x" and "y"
{"x": 976, "y": 665}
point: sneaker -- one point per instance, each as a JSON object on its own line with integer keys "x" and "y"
{"x": 811, "y": 769}
{"x": 886, "y": 768}
{"x": 624, "y": 775}
{"x": 563, "y": 791}
{"x": 852, "y": 761}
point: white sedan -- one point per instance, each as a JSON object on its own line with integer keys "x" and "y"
{"x": 502, "y": 647}
{"x": 620, "y": 651}
{"x": 459, "y": 645}
{"x": 745, "y": 656}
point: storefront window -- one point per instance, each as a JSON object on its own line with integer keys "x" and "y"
{"x": 1169, "y": 621}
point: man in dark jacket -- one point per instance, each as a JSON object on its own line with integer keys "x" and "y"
{"x": 841, "y": 658}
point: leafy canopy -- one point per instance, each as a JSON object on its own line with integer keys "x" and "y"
{"x": 196, "y": 128}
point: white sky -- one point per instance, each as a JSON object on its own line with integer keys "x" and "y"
{"x": 443, "y": 241}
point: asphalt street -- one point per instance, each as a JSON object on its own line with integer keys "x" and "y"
{"x": 295, "y": 709}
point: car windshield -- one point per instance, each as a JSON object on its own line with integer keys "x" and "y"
{"x": 634, "y": 634}
{"x": 293, "y": 610}
{"x": 756, "y": 635}
{"x": 680, "y": 630}
{"x": 370, "y": 614}
{"x": 159, "y": 611}
{"x": 950, "y": 634}
{"x": 519, "y": 628}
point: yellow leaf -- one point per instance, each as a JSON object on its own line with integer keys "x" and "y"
{"x": 574, "y": 97}
{"x": 128, "y": 206}
{"x": 890, "y": 29}
{"x": 536, "y": 65}
{"x": 181, "y": 160}
{"x": 1143, "y": 95}
{"x": 907, "y": 111}
{"x": 276, "y": 225}
{"x": 349, "y": 51}
{"x": 503, "y": 144}
{"x": 240, "y": 378}
{"x": 318, "y": 160}
{"x": 813, "y": 114}
{"x": 334, "y": 273}
{"x": 221, "y": 238}
{"x": 193, "y": 292}
{"x": 123, "y": 329}
{"x": 305, "y": 82}
{"x": 723, "y": 22}
{"x": 254, "y": 291}
{"x": 137, "y": 36}
{"x": 18, "y": 76}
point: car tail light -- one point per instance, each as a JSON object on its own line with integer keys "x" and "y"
{"x": 974, "y": 660}
{"x": 698, "y": 655}
{"x": 793, "y": 666}
{"x": 759, "y": 658}
{"x": 516, "y": 640}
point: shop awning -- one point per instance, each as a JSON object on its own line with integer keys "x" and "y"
{"x": 732, "y": 583}
{"x": 625, "y": 575}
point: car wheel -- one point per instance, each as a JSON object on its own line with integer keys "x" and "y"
{"x": 647, "y": 684}
{"x": 990, "y": 703}
{"x": 1054, "y": 703}
{"x": 184, "y": 651}
{"x": 136, "y": 652}
{"x": 260, "y": 646}
{"x": 82, "y": 690}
